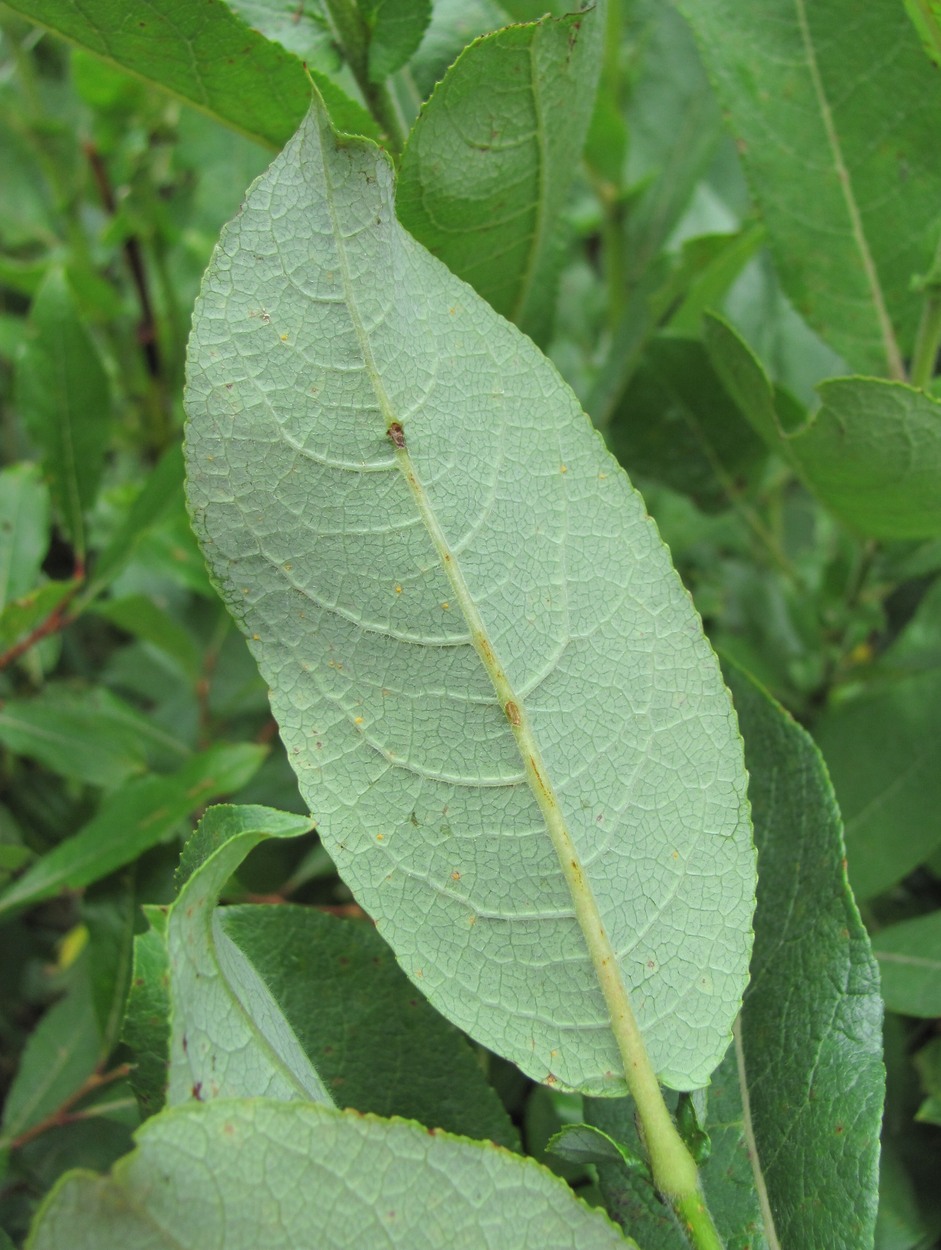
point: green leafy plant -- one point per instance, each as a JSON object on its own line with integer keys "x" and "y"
{"x": 467, "y": 946}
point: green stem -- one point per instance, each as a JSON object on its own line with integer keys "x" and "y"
{"x": 697, "y": 1223}
{"x": 353, "y": 35}
{"x": 928, "y": 340}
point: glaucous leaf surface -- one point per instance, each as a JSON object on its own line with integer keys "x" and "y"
{"x": 134, "y": 818}
{"x": 871, "y": 451}
{"x": 204, "y": 54}
{"x": 909, "y": 956}
{"x": 848, "y": 186}
{"x": 794, "y": 1110}
{"x": 337, "y": 979}
{"x": 489, "y": 164}
{"x": 293, "y": 1176}
{"x": 64, "y": 399}
{"x": 228, "y": 1036}
{"x": 487, "y": 675}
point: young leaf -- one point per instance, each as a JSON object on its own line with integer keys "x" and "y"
{"x": 849, "y": 188}
{"x": 228, "y": 1036}
{"x": 909, "y": 956}
{"x": 63, "y": 394}
{"x": 483, "y": 188}
{"x": 205, "y": 55}
{"x": 284, "y": 1175}
{"x": 871, "y": 452}
{"x": 24, "y": 525}
{"x": 493, "y": 688}
{"x": 131, "y": 820}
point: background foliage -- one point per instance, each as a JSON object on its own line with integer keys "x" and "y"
{"x": 743, "y": 291}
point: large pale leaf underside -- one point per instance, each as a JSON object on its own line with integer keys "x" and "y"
{"x": 420, "y": 611}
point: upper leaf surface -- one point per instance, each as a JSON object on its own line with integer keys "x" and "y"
{"x": 24, "y": 522}
{"x": 490, "y": 161}
{"x": 834, "y": 108}
{"x": 290, "y": 1175}
{"x": 62, "y": 391}
{"x": 871, "y": 452}
{"x": 810, "y": 1051}
{"x": 337, "y": 979}
{"x": 204, "y": 54}
{"x": 390, "y": 587}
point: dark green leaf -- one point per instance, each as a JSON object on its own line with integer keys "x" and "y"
{"x": 881, "y": 748}
{"x": 338, "y": 979}
{"x": 872, "y": 451}
{"x": 146, "y": 1028}
{"x": 140, "y": 616}
{"x": 810, "y": 1044}
{"x": 489, "y": 164}
{"x": 206, "y": 56}
{"x": 60, "y": 1055}
{"x": 849, "y": 187}
{"x": 65, "y": 402}
{"x": 24, "y": 531}
{"x": 162, "y": 489}
{"x": 584, "y": 1143}
{"x": 677, "y": 424}
{"x": 22, "y": 616}
{"x": 909, "y": 956}
{"x": 85, "y": 733}
{"x": 109, "y": 916}
{"x": 131, "y": 820}
{"x": 397, "y": 29}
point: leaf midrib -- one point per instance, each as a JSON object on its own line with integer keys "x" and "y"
{"x": 638, "y": 1071}
{"x": 894, "y": 362}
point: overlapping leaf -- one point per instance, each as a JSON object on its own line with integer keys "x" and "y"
{"x": 477, "y": 649}
{"x": 205, "y": 55}
{"x": 491, "y": 159}
{"x": 286, "y": 1175}
{"x": 800, "y": 1095}
{"x": 834, "y": 109}
{"x": 871, "y": 451}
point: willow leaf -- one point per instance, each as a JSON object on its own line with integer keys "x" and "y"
{"x": 494, "y": 689}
